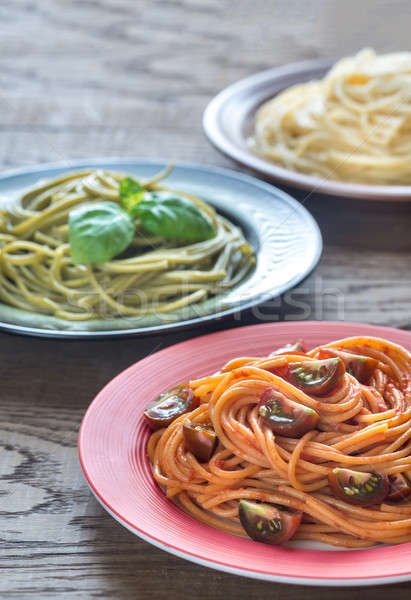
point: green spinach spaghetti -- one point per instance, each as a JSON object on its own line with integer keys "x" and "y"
{"x": 96, "y": 244}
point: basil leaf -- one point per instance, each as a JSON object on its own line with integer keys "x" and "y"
{"x": 131, "y": 193}
{"x": 171, "y": 216}
{"x": 99, "y": 231}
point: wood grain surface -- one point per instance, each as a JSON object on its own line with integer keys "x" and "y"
{"x": 85, "y": 78}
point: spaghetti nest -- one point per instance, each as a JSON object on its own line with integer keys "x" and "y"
{"x": 361, "y": 427}
{"x": 154, "y": 275}
{"x": 354, "y": 125}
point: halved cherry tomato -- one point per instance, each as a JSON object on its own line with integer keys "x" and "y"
{"x": 268, "y": 524}
{"x": 355, "y": 487}
{"x": 170, "y": 405}
{"x": 361, "y": 367}
{"x": 399, "y": 487}
{"x": 317, "y": 377}
{"x": 297, "y": 348}
{"x": 200, "y": 440}
{"x": 284, "y": 416}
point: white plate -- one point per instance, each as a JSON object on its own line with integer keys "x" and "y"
{"x": 228, "y": 123}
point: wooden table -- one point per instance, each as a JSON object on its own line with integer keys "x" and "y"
{"x": 125, "y": 78}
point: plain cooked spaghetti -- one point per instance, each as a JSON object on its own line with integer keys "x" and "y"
{"x": 156, "y": 275}
{"x": 361, "y": 427}
{"x": 354, "y": 125}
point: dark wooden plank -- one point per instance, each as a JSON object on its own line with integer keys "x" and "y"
{"x": 81, "y": 78}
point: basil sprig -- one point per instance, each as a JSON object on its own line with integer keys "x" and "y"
{"x": 99, "y": 231}
{"x": 173, "y": 217}
{"x": 131, "y": 193}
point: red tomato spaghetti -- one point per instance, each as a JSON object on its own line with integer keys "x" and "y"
{"x": 310, "y": 445}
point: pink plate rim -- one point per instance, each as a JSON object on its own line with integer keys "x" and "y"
{"x": 112, "y": 452}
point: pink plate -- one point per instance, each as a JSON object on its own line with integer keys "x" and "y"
{"x": 112, "y": 449}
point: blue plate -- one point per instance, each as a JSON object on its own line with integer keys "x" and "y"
{"x": 285, "y": 237}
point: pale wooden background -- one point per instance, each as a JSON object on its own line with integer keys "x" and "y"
{"x": 85, "y": 78}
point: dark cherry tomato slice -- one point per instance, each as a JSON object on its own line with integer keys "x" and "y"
{"x": 200, "y": 440}
{"x": 317, "y": 377}
{"x": 361, "y": 367}
{"x": 170, "y": 405}
{"x": 298, "y": 347}
{"x": 399, "y": 487}
{"x": 268, "y": 524}
{"x": 284, "y": 416}
{"x": 355, "y": 487}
